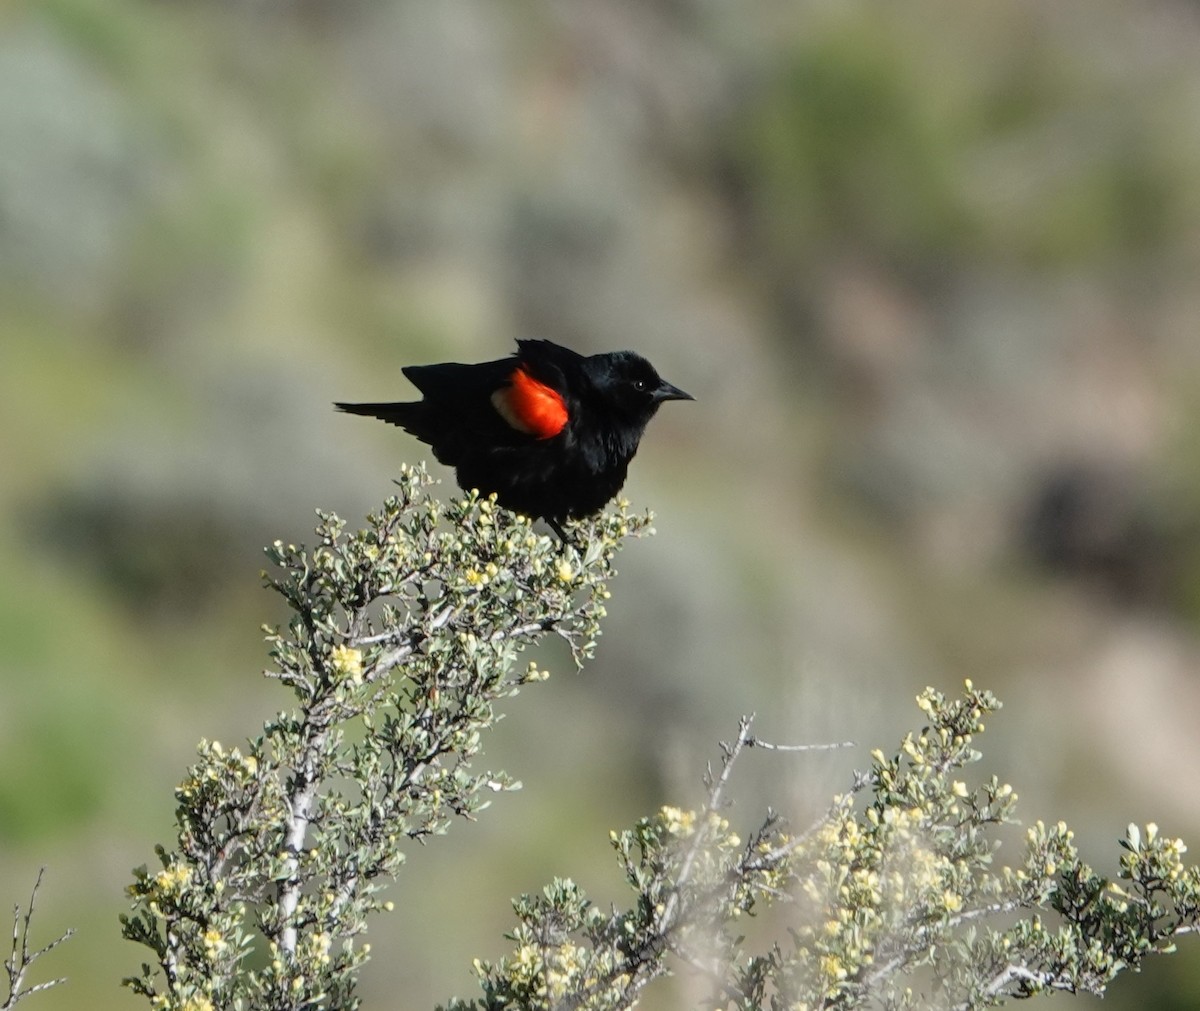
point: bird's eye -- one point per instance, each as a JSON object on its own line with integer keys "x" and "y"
{"x": 639, "y": 385}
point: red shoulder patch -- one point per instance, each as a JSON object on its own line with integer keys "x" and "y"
{"x": 530, "y": 406}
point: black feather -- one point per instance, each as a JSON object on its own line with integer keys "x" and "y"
{"x": 609, "y": 399}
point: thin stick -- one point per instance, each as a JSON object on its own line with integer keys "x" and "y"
{"x": 755, "y": 742}
{"x": 22, "y": 958}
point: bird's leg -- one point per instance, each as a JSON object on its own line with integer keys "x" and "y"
{"x": 570, "y": 538}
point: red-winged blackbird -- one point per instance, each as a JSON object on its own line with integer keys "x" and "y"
{"x": 550, "y": 431}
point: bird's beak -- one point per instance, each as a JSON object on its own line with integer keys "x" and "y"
{"x": 666, "y": 391}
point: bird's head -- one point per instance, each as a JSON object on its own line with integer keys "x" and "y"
{"x": 630, "y": 386}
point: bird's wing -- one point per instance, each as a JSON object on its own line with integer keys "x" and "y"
{"x": 453, "y": 380}
{"x": 557, "y": 367}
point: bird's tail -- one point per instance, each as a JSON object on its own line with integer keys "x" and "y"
{"x": 412, "y": 417}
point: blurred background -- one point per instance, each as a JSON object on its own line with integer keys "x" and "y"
{"x": 931, "y": 269}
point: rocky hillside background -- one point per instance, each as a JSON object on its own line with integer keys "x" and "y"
{"x": 932, "y": 271}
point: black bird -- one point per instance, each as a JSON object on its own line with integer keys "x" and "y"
{"x": 549, "y": 430}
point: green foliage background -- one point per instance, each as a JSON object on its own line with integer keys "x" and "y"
{"x": 924, "y": 266}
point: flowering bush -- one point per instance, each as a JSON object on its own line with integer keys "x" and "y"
{"x": 894, "y": 899}
{"x": 405, "y": 637}
{"x": 403, "y": 640}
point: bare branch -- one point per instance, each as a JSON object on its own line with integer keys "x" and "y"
{"x": 729, "y": 755}
{"x": 755, "y": 742}
{"x": 21, "y": 959}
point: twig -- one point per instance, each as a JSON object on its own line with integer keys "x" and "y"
{"x": 642, "y": 964}
{"x": 729, "y": 754}
{"x": 773, "y": 856}
{"x": 22, "y": 958}
{"x": 1018, "y": 973}
{"x": 370, "y": 640}
{"x": 1011, "y": 973}
{"x": 755, "y": 742}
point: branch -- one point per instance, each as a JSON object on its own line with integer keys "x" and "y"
{"x": 774, "y": 855}
{"x": 21, "y": 959}
{"x": 729, "y": 754}
{"x": 1020, "y": 974}
{"x": 755, "y": 742}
